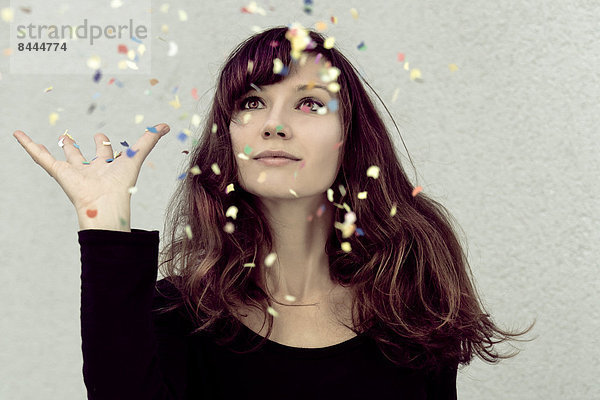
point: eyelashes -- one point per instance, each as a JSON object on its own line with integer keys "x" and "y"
{"x": 249, "y": 99}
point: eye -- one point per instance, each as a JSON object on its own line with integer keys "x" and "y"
{"x": 312, "y": 102}
{"x": 249, "y": 100}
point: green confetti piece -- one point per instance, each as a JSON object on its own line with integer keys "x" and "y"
{"x": 279, "y": 127}
{"x": 247, "y": 150}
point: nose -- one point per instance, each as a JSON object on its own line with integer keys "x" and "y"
{"x": 276, "y": 126}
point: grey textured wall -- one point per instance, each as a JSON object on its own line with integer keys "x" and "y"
{"x": 508, "y": 142}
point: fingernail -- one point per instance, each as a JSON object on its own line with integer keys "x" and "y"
{"x": 165, "y": 129}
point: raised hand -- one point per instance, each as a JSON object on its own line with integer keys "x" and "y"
{"x": 99, "y": 190}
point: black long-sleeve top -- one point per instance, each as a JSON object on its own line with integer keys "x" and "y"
{"x": 132, "y": 352}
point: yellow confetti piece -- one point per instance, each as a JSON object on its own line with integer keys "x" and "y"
{"x": 8, "y": 14}
{"x": 250, "y": 265}
{"x": 131, "y": 54}
{"x": 330, "y": 195}
{"x": 183, "y": 15}
{"x": 195, "y": 170}
{"x": 393, "y": 211}
{"x": 342, "y": 190}
{"x": 141, "y": 49}
{"x": 396, "y": 93}
{"x": 320, "y": 26}
{"x": 116, "y": 3}
{"x": 188, "y": 231}
{"x": 272, "y": 311}
{"x": 215, "y": 168}
{"x": 453, "y": 67}
{"x": 354, "y": 13}
{"x": 94, "y": 62}
{"x": 243, "y": 156}
{"x": 262, "y": 177}
{"x": 132, "y": 190}
{"x": 362, "y": 195}
{"x": 406, "y": 67}
{"x": 175, "y": 103}
{"x": 52, "y": 118}
{"x": 164, "y": 28}
{"x": 214, "y": 128}
{"x": 246, "y": 118}
{"x": 277, "y": 66}
{"x": 131, "y": 65}
{"x": 415, "y": 74}
{"x": 138, "y": 118}
{"x": 373, "y": 171}
{"x": 48, "y": 89}
{"x": 289, "y": 297}
{"x": 333, "y": 87}
{"x": 293, "y": 193}
{"x": 417, "y": 190}
{"x": 229, "y": 227}
{"x": 329, "y": 42}
{"x": 196, "y": 120}
{"x": 250, "y": 66}
{"x": 346, "y": 247}
{"x": 117, "y": 154}
{"x": 164, "y": 8}
{"x": 270, "y": 259}
{"x": 230, "y": 188}
{"x": 232, "y": 212}
{"x": 334, "y": 19}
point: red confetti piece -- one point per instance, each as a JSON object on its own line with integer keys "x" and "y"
{"x": 91, "y": 213}
{"x": 401, "y": 57}
{"x": 417, "y": 190}
{"x": 274, "y": 43}
{"x": 111, "y": 81}
{"x": 185, "y": 152}
{"x": 123, "y": 49}
{"x": 195, "y": 93}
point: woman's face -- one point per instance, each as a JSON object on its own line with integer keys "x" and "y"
{"x": 284, "y": 116}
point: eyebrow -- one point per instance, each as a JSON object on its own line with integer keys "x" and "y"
{"x": 299, "y": 88}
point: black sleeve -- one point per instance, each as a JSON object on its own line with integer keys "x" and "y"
{"x": 442, "y": 385}
{"x": 128, "y": 351}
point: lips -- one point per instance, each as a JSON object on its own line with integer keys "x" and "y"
{"x": 276, "y": 154}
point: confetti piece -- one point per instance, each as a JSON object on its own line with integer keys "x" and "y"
{"x": 289, "y": 297}
{"x": 373, "y": 171}
{"x": 247, "y": 150}
{"x": 195, "y": 94}
{"x": 417, "y": 190}
{"x": 354, "y": 13}
{"x": 393, "y": 211}
{"x": 76, "y": 145}
{"x": 293, "y": 193}
{"x": 116, "y": 3}
{"x": 151, "y": 129}
{"x": 142, "y": 49}
{"x": 321, "y": 210}
{"x": 321, "y": 26}
{"x": 243, "y": 156}
{"x": 185, "y": 152}
{"x": 334, "y": 20}
{"x": 333, "y": 87}
{"x": 270, "y": 259}
{"x": 360, "y": 232}
{"x": 173, "y": 49}
{"x": 246, "y": 118}
{"x": 132, "y": 190}
{"x": 196, "y": 120}
{"x": 350, "y": 217}
{"x": 232, "y": 212}
{"x": 250, "y": 265}
{"x": 415, "y": 74}
{"x": 188, "y": 231}
{"x": 362, "y": 195}
{"x": 48, "y": 89}
{"x": 274, "y": 43}
{"x": 272, "y": 311}
{"x": 124, "y": 144}
{"x": 329, "y": 42}
{"x": 346, "y": 247}
{"x": 361, "y": 46}
{"x": 153, "y": 81}
{"x": 7, "y": 14}
{"x": 401, "y": 57}
{"x": 453, "y": 67}
{"x": 230, "y": 188}
{"x": 52, "y": 118}
{"x": 195, "y": 170}
{"x": 180, "y": 177}
{"x": 255, "y": 87}
{"x": 116, "y": 154}
{"x": 182, "y": 15}
{"x": 182, "y": 136}
{"x": 164, "y": 8}
{"x": 109, "y": 160}
{"x": 342, "y": 190}
{"x": 138, "y": 118}
{"x": 131, "y": 153}
{"x": 330, "y": 195}
{"x": 122, "y": 49}
{"x": 97, "y": 76}
{"x": 406, "y": 67}
{"x": 332, "y": 104}
{"x": 214, "y": 128}
{"x": 322, "y": 110}
{"x": 250, "y": 66}
{"x": 262, "y": 177}
{"x": 277, "y": 66}
{"x": 91, "y": 213}
{"x": 175, "y": 103}
{"x": 215, "y": 168}
{"x": 395, "y": 96}
{"x": 91, "y": 108}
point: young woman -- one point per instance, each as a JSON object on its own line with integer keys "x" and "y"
{"x": 300, "y": 261}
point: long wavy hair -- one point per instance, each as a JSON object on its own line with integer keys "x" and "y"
{"x": 411, "y": 281}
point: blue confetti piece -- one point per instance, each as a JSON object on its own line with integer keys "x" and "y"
{"x": 119, "y": 83}
{"x": 175, "y": 89}
{"x": 151, "y": 129}
{"x": 308, "y": 2}
{"x": 180, "y": 177}
{"x": 75, "y": 145}
{"x": 136, "y": 40}
{"x": 124, "y": 144}
{"x": 284, "y": 71}
{"x": 182, "y": 136}
{"x": 97, "y": 76}
{"x": 359, "y": 232}
{"x": 332, "y": 105}
{"x": 96, "y": 95}
{"x": 131, "y": 153}
{"x": 362, "y": 46}
{"x": 109, "y": 160}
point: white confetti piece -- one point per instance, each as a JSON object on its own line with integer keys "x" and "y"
{"x": 164, "y": 8}
{"x": 182, "y": 15}
{"x": 277, "y": 66}
{"x": 214, "y": 128}
{"x": 346, "y": 247}
{"x": 232, "y": 212}
{"x": 289, "y": 297}
{"x": 138, "y": 118}
{"x": 195, "y": 170}
{"x": 7, "y": 14}
{"x": 215, "y": 168}
{"x": 272, "y": 311}
{"x": 270, "y": 259}
{"x": 342, "y": 190}
{"x": 362, "y": 195}
{"x": 329, "y": 42}
{"x": 116, "y": 3}
{"x": 132, "y": 190}
{"x": 373, "y": 171}
{"x": 94, "y": 62}
{"x": 330, "y": 195}
{"x": 229, "y": 227}
{"x": 243, "y": 156}
{"x": 173, "y": 49}
{"x": 106, "y": 143}
{"x": 293, "y": 193}
{"x": 230, "y": 188}
{"x": 196, "y": 120}
{"x": 188, "y": 231}
{"x": 393, "y": 211}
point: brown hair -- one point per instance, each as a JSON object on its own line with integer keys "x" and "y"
{"x": 410, "y": 278}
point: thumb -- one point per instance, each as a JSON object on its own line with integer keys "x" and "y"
{"x": 148, "y": 140}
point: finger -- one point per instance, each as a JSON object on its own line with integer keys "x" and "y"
{"x": 103, "y": 151}
{"x": 146, "y": 143}
{"x": 71, "y": 149}
{"x": 38, "y": 153}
